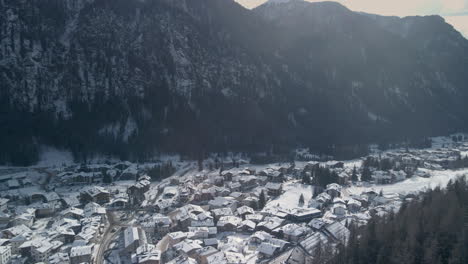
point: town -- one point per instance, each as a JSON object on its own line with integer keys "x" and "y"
{"x": 212, "y": 211}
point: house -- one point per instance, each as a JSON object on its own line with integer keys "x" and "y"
{"x": 228, "y": 223}
{"x": 42, "y": 249}
{"x": 337, "y": 232}
{"x": 202, "y": 254}
{"x": 187, "y": 247}
{"x": 303, "y": 214}
{"x": 3, "y": 204}
{"x": 59, "y": 258}
{"x": 73, "y": 213}
{"x": 5, "y": 254}
{"x": 275, "y": 176}
{"x": 15, "y": 231}
{"x": 133, "y": 238}
{"x": 26, "y": 218}
{"x": 312, "y": 242}
{"x": 323, "y": 198}
{"x": 317, "y": 224}
{"x": 292, "y": 232}
{"x": 333, "y": 189}
{"x": 245, "y": 210}
{"x": 16, "y": 242}
{"x": 270, "y": 223}
{"x": 81, "y": 254}
{"x": 248, "y": 183}
{"x": 223, "y": 202}
{"x": 147, "y": 254}
{"x": 220, "y": 212}
{"x": 247, "y": 226}
{"x": 46, "y": 209}
{"x": 339, "y": 209}
{"x": 5, "y": 219}
{"x": 274, "y": 189}
{"x": 235, "y": 186}
{"x": 267, "y": 250}
{"x": 95, "y": 194}
{"x": 354, "y": 206}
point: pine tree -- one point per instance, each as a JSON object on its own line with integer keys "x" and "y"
{"x": 366, "y": 174}
{"x": 261, "y": 200}
{"x": 107, "y": 178}
{"x": 301, "y": 199}
{"x": 354, "y": 176}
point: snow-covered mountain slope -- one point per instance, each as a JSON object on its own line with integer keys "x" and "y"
{"x": 129, "y": 76}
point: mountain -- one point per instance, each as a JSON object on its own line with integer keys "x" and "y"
{"x": 131, "y": 77}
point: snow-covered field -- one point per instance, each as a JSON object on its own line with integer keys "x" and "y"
{"x": 290, "y": 198}
{"x": 415, "y": 184}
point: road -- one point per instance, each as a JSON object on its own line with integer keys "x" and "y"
{"x": 106, "y": 238}
{"x": 110, "y": 236}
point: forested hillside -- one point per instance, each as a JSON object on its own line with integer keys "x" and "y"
{"x": 431, "y": 229}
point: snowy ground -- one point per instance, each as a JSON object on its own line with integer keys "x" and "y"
{"x": 51, "y": 157}
{"x": 290, "y": 198}
{"x": 415, "y": 184}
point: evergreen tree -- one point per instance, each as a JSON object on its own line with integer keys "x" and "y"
{"x": 107, "y": 178}
{"x": 261, "y": 200}
{"x": 301, "y": 200}
{"x": 354, "y": 176}
{"x": 366, "y": 174}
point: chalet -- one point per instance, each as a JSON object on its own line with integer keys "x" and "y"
{"x": 323, "y": 198}
{"x": 275, "y": 176}
{"x": 269, "y": 224}
{"x": 95, "y": 194}
{"x": 254, "y": 217}
{"x": 223, "y": 202}
{"x": 81, "y": 254}
{"x": 187, "y": 247}
{"x": 147, "y": 254}
{"x": 250, "y": 201}
{"x": 244, "y": 210}
{"x": 339, "y": 209}
{"x": 227, "y": 175}
{"x": 247, "y": 226}
{"x": 248, "y": 183}
{"x": 292, "y": 232}
{"x": 72, "y": 212}
{"x": 334, "y": 190}
{"x": 59, "y": 258}
{"x": 202, "y": 254}
{"x": 274, "y": 189}
{"x": 337, "y": 232}
{"x": 228, "y": 223}
{"x": 220, "y": 212}
{"x": 354, "y": 206}
{"x": 303, "y": 214}
{"x": 235, "y": 186}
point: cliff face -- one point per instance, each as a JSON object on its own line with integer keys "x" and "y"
{"x": 130, "y": 77}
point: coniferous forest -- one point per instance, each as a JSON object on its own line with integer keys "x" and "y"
{"x": 430, "y": 229}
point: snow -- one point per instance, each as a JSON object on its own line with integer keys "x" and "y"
{"x": 50, "y": 157}
{"x": 415, "y": 184}
{"x": 290, "y": 198}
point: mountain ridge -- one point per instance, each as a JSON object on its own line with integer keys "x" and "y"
{"x": 134, "y": 77}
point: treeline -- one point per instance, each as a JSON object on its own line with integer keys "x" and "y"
{"x": 432, "y": 229}
{"x": 319, "y": 176}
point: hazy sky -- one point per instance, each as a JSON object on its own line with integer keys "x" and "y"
{"x": 455, "y": 12}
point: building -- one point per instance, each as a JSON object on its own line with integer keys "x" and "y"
{"x": 5, "y": 254}
{"x": 95, "y": 194}
{"x": 274, "y": 189}
{"x": 81, "y": 254}
{"x": 134, "y": 237}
